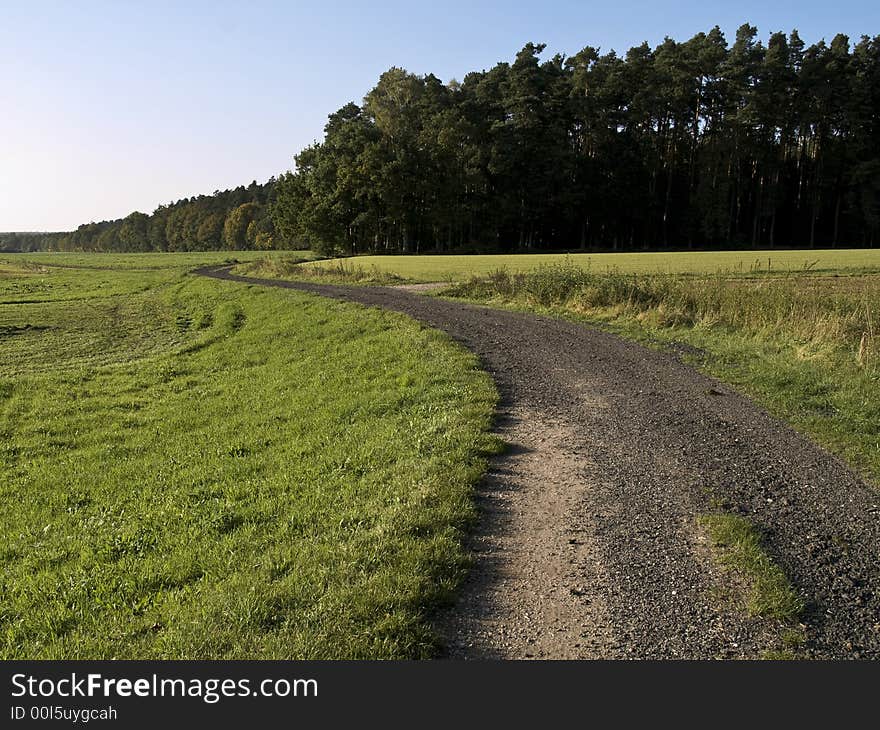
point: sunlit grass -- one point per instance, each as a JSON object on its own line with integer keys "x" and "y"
{"x": 199, "y": 469}
{"x": 459, "y": 268}
{"x": 121, "y": 261}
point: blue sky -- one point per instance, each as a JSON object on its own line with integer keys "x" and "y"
{"x": 109, "y": 107}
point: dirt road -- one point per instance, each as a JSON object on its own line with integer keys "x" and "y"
{"x": 588, "y": 544}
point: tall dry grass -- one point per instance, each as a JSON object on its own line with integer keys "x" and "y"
{"x": 330, "y": 271}
{"x": 819, "y": 312}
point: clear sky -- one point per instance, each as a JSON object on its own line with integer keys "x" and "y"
{"x": 110, "y": 107}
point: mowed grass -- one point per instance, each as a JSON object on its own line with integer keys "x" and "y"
{"x": 458, "y": 268}
{"x": 198, "y": 469}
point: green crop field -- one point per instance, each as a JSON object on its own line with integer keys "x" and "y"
{"x": 456, "y": 268}
{"x": 198, "y": 469}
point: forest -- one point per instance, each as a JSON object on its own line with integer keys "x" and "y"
{"x": 694, "y": 144}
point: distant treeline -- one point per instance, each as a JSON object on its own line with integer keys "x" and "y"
{"x": 232, "y": 219}
{"x": 693, "y": 144}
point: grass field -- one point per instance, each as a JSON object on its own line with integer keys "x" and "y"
{"x": 193, "y": 469}
{"x": 458, "y": 268}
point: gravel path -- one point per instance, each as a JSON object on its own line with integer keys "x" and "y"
{"x": 588, "y": 544}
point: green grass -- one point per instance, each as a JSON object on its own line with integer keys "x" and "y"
{"x": 737, "y": 545}
{"x": 459, "y": 268}
{"x": 199, "y": 469}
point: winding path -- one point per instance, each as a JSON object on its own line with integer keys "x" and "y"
{"x": 588, "y": 544}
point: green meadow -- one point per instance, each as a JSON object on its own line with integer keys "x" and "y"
{"x": 199, "y": 469}
{"x": 458, "y": 268}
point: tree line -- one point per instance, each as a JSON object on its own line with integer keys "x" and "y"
{"x": 690, "y": 144}
{"x": 237, "y": 219}
{"x": 694, "y": 144}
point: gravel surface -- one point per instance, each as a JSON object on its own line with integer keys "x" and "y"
{"x": 588, "y": 544}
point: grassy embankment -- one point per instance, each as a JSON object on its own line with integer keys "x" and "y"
{"x": 197, "y": 469}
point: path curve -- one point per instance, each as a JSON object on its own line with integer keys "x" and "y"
{"x": 588, "y": 544}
